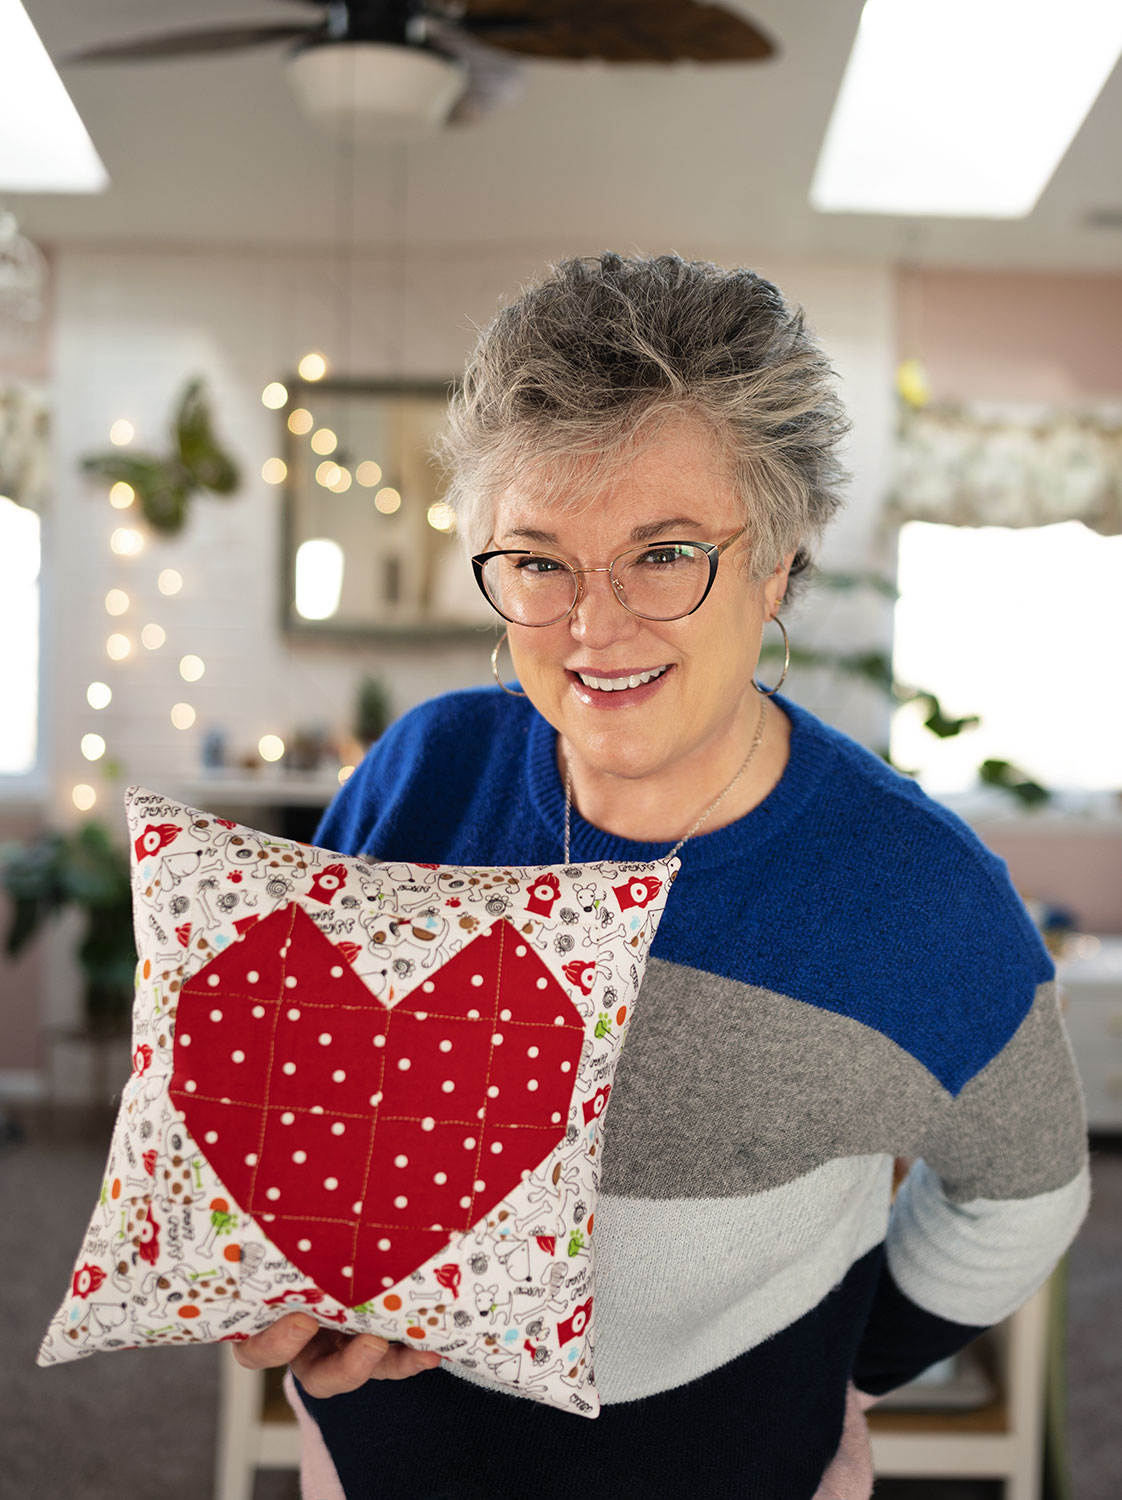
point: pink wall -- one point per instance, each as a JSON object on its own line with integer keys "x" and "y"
{"x": 1076, "y": 867}
{"x": 1014, "y": 336}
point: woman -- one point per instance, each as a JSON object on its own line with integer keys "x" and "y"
{"x": 641, "y": 454}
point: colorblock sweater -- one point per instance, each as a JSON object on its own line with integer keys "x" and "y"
{"x": 843, "y": 976}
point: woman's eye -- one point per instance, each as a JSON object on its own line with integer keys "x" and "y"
{"x": 664, "y": 557}
{"x": 536, "y": 566}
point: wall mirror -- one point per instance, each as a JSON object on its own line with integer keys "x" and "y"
{"x": 369, "y": 544}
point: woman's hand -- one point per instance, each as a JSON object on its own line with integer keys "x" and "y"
{"x": 328, "y": 1362}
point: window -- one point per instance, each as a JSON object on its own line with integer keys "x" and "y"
{"x": 19, "y": 635}
{"x": 1024, "y": 628}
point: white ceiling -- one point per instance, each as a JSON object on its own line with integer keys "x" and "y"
{"x": 692, "y": 157}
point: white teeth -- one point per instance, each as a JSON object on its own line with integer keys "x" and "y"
{"x": 617, "y": 684}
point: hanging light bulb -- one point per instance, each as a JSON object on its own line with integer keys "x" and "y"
{"x": 121, "y": 433}
{"x": 274, "y": 471}
{"x": 274, "y": 395}
{"x": 121, "y": 495}
{"x": 83, "y": 796}
{"x": 169, "y": 581}
{"x": 300, "y": 421}
{"x": 312, "y": 367}
{"x": 99, "y": 695}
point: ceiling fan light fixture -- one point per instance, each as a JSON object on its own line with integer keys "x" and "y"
{"x": 380, "y": 91}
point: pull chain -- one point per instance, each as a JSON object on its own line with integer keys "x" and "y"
{"x": 713, "y": 806}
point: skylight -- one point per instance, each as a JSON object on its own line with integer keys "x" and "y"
{"x": 962, "y": 107}
{"x": 44, "y": 147}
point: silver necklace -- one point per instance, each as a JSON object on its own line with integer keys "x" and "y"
{"x": 713, "y": 806}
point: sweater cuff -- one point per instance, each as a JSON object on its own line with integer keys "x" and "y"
{"x": 901, "y": 1339}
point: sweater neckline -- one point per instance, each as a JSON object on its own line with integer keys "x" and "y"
{"x": 810, "y": 757}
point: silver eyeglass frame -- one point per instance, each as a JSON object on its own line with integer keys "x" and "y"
{"x": 712, "y": 550}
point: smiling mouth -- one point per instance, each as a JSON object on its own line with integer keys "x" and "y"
{"x": 618, "y": 684}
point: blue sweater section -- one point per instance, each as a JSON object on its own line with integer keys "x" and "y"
{"x": 847, "y": 887}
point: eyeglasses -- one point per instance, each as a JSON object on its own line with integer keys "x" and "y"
{"x": 656, "y": 581}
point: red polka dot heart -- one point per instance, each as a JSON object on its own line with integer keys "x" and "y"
{"x": 363, "y": 1139}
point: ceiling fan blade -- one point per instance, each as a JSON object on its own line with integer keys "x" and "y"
{"x": 189, "y": 43}
{"x": 640, "y": 31}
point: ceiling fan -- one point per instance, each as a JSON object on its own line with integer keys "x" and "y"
{"x": 399, "y": 67}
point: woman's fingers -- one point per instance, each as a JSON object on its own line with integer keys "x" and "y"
{"x": 330, "y": 1363}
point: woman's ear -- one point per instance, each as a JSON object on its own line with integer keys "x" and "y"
{"x": 776, "y": 586}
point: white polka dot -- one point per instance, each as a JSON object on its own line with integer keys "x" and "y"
{"x": 480, "y": 1112}
{"x": 401, "y": 1161}
{"x": 440, "y": 1179}
{"x": 216, "y": 1015}
{"x": 252, "y": 977}
{"x": 356, "y": 1208}
{"x": 404, "y": 1064}
{"x": 210, "y": 1137}
{"x": 496, "y": 1147}
{"x": 566, "y": 1067}
{"x": 559, "y": 1020}
{"x": 497, "y": 1039}
{"x": 212, "y": 980}
{"x": 555, "y": 1118}
{"x": 379, "y": 1040}
{"x": 317, "y": 1109}
{"x": 289, "y": 1068}
{"x": 190, "y": 1085}
{"x": 299, "y": 1157}
{"x": 184, "y": 1040}
{"x": 238, "y": 1056}
{"x": 532, "y": 1084}
{"x": 331, "y": 1183}
{"x": 288, "y": 1117}
{"x": 421, "y": 1015}
{"x": 348, "y": 1270}
{"x": 338, "y": 1128}
{"x": 224, "y": 1100}
{"x": 465, "y": 1202}
{"x": 376, "y": 1099}
{"x": 480, "y": 1187}
{"x": 477, "y": 980}
{"x": 324, "y": 1039}
{"x": 542, "y": 982}
{"x": 268, "y": 1218}
{"x": 493, "y": 1091}
{"x": 531, "y": 1052}
{"x": 469, "y": 1142}
{"x": 401, "y": 1201}
{"x": 258, "y": 1011}
{"x": 525, "y": 1173}
{"x": 428, "y": 986}
{"x": 303, "y": 1244}
{"x": 504, "y": 1015}
{"x": 520, "y": 951}
{"x": 387, "y": 1281}
{"x": 251, "y": 1159}
{"x": 428, "y": 1123}
{"x": 338, "y": 1076}
{"x": 446, "y": 1046}
{"x": 447, "y": 1086}
{"x": 336, "y": 971}
{"x": 290, "y": 981}
{"x": 473, "y": 1015}
{"x": 293, "y": 1013}
{"x": 384, "y": 1244}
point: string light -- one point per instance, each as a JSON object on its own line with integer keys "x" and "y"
{"x": 270, "y": 747}
{"x": 169, "y": 581}
{"x": 121, "y": 433}
{"x": 342, "y": 483}
{"x": 93, "y": 746}
{"x": 121, "y": 495}
{"x": 387, "y": 501}
{"x": 345, "y": 773}
{"x": 327, "y": 473}
{"x": 300, "y": 421}
{"x": 312, "y": 367}
{"x": 274, "y": 395}
{"x": 441, "y": 516}
{"x": 117, "y": 647}
{"x": 191, "y": 668}
{"x": 323, "y": 440}
{"x": 274, "y": 471}
{"x": 126, "y": 542}
{"x": 182, "y": 715}
{"x": 83, "y": 797}
{"x": 153, "y": 637}
{"x": 99, "y": 695}
{"x": 116, "y": 602}
{"x": 368, "y": 473}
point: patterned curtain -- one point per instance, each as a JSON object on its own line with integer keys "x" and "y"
{"x": 1001, "y": 466}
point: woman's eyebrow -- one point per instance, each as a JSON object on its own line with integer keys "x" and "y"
{"x": 643, "y": 533}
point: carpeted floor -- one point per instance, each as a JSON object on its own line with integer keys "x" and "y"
{"x": 140, "y": 1425}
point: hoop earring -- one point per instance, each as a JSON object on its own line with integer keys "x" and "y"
{"x": 767, "y": 692}
{"x": 513, "y": 692}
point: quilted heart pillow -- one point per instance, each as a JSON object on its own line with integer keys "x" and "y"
{"x": 373, "y": 1092}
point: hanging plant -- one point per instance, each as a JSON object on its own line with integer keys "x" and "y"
{"x": 164, "y": 486}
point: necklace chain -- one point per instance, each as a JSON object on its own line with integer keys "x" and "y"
{"x": 713, "y": 806}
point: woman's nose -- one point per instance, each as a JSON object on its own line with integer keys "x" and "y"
{"x": 598, "y": 618}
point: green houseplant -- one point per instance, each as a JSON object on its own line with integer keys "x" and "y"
{"x": 84, "y": 869}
